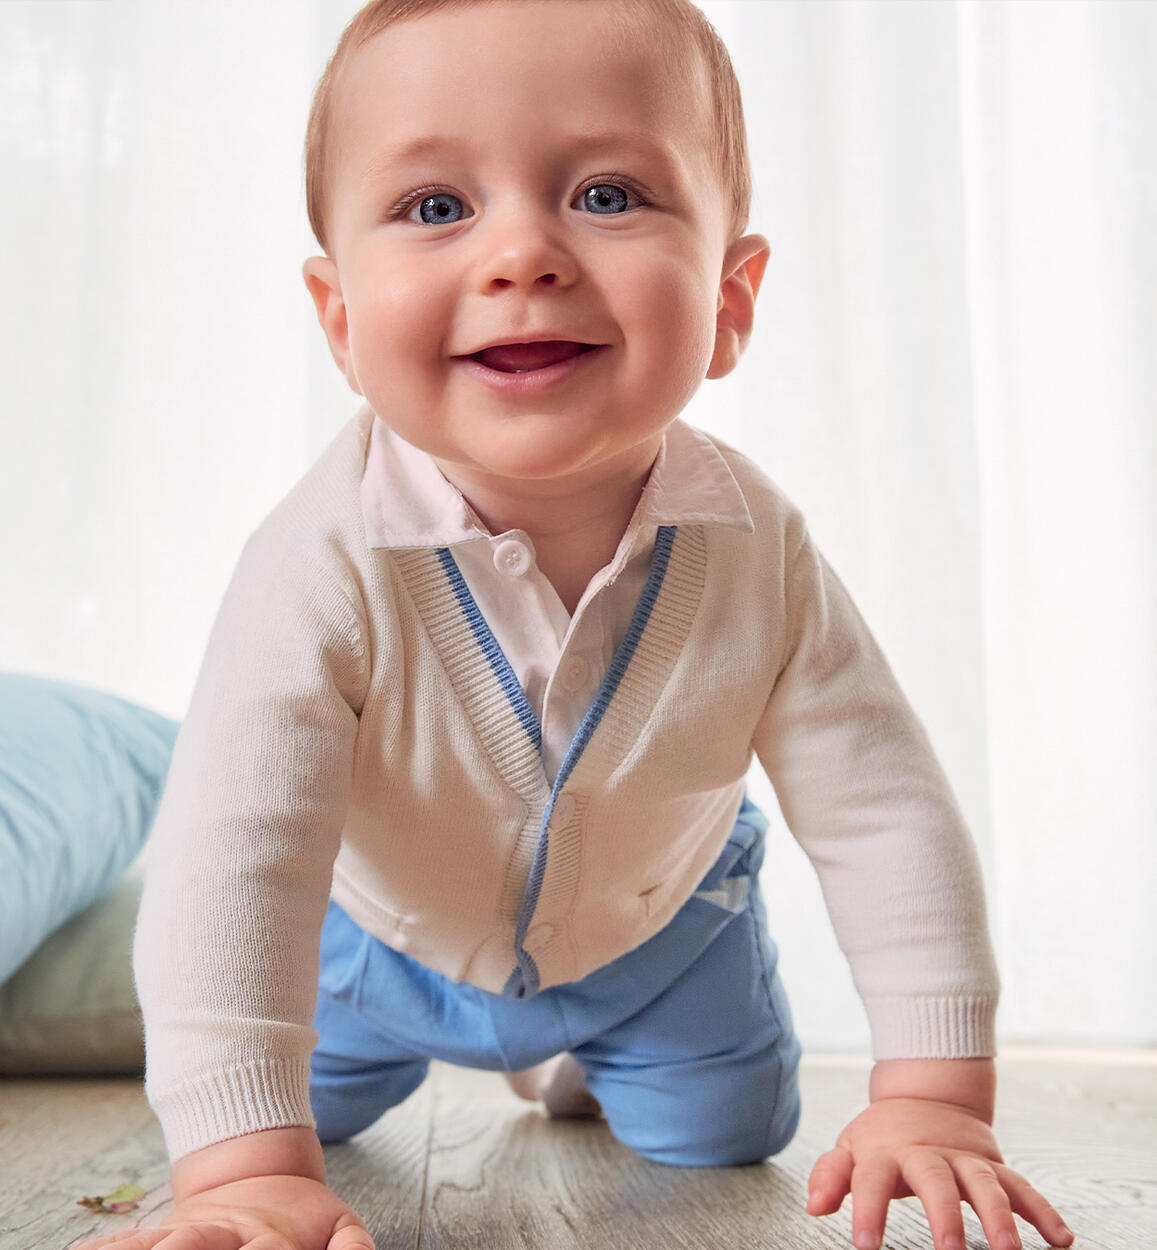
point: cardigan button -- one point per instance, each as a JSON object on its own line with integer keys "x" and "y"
{"x": 563, "y": 811}
{"x": 512, "y": 557}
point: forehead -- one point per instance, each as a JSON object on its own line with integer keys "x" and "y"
{"x": 512, "y": 74}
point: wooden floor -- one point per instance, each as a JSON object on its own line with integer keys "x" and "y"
{"x": 463, "y": 1163}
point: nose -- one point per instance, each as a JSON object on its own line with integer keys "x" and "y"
{"x": 525, "y": 250}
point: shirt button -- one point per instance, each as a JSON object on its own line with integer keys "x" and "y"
{"x": 575, "y": 673}
{"x": 512, "y": 557}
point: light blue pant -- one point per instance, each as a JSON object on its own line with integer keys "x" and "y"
{"x": 686, "y": 1041}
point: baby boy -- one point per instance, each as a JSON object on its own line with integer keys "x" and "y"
{"x": 463, "y": 773}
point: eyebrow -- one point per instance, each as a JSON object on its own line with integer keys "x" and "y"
{"x": 425, "y": 146}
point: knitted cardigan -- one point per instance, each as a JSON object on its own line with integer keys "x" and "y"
{"x": 356, "y": 729}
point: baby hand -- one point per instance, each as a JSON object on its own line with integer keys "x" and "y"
{"x": 942, "y": 1154}
{"x": 289, "y": 1212}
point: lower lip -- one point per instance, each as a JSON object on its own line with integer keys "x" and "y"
{"x": 533, "y": 381}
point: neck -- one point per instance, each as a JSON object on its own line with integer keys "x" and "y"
{"x": 598, "y": 500}
{"x": 575, "y": 527}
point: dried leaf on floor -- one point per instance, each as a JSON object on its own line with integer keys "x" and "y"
{"x": 119, "y": 1202}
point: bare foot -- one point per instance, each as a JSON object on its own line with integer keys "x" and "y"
{"x": 560, "y": 1084}
{"x": 529, "y": 1082}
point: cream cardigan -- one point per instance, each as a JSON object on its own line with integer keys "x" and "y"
{"x": 355, "y": 727}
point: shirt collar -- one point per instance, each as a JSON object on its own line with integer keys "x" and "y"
{"x": 406, "y": 501}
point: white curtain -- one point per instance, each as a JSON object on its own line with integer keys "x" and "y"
{"x": 952, "y": 374}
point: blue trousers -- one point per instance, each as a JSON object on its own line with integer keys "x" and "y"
{"x": 686, "y": 1041}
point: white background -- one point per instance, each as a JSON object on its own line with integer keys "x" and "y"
{"x": 953, "y": 373}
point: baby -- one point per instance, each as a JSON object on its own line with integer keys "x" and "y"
{"x": 463, "y": 773}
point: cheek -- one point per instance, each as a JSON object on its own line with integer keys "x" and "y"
{"x": 672, "y": 313}
{"x": 391, "y": 319}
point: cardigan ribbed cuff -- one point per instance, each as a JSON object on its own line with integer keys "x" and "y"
{"x": 272, "y": 1093}
{"x": 952, "y": 1027}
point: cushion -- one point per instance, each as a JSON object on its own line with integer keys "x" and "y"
{"x": 81, "y": 773}
{"x": 71, "y": 1009}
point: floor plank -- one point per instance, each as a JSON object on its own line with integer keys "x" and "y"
{"x": 463, "y": 1163}
{"x": 381, "y": 1173}
{"x": 65, "y": 1139}
{"x": 502, "y": 1175}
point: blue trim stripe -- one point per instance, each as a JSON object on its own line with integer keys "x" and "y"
{"x": 660, "y": 558}
{"x": 514, "y": 984}
{"x": 511, "y": 686}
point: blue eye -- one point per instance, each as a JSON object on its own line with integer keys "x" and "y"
{"x": 605, "y": 198}
{"x": 436, "y": 207}
{"x": 436, "y": 210}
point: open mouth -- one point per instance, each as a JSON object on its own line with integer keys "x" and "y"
{"x": 530, "y": 357}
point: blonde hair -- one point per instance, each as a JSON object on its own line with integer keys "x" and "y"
{"x": 682, "y": 26}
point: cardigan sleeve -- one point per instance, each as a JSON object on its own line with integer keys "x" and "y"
{"x": 241, "y": 854}
{"x": 864, "y": 795}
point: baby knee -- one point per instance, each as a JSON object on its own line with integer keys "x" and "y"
{"x": 728, "y": 1145}
{"x": 346, "y": 1102}
{"x": 739, "y": 1123}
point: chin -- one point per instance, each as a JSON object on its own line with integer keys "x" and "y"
{"x": 532, "y": 467}
{"x": 535, "y": 455}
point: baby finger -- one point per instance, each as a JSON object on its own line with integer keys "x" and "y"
{"x": 930, "y": 1178}
{"x": 873, "y": 1187}
{"x": 1033, "y": 1206}
{"x": 985, "y": 1194}
{"x": 128, "y": 1239}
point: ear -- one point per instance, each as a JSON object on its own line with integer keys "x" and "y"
{"x": 321, "y": 277}
{"x": 743, "y": 267}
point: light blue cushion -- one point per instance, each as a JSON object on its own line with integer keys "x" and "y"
{"x": 81, "y": 773}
